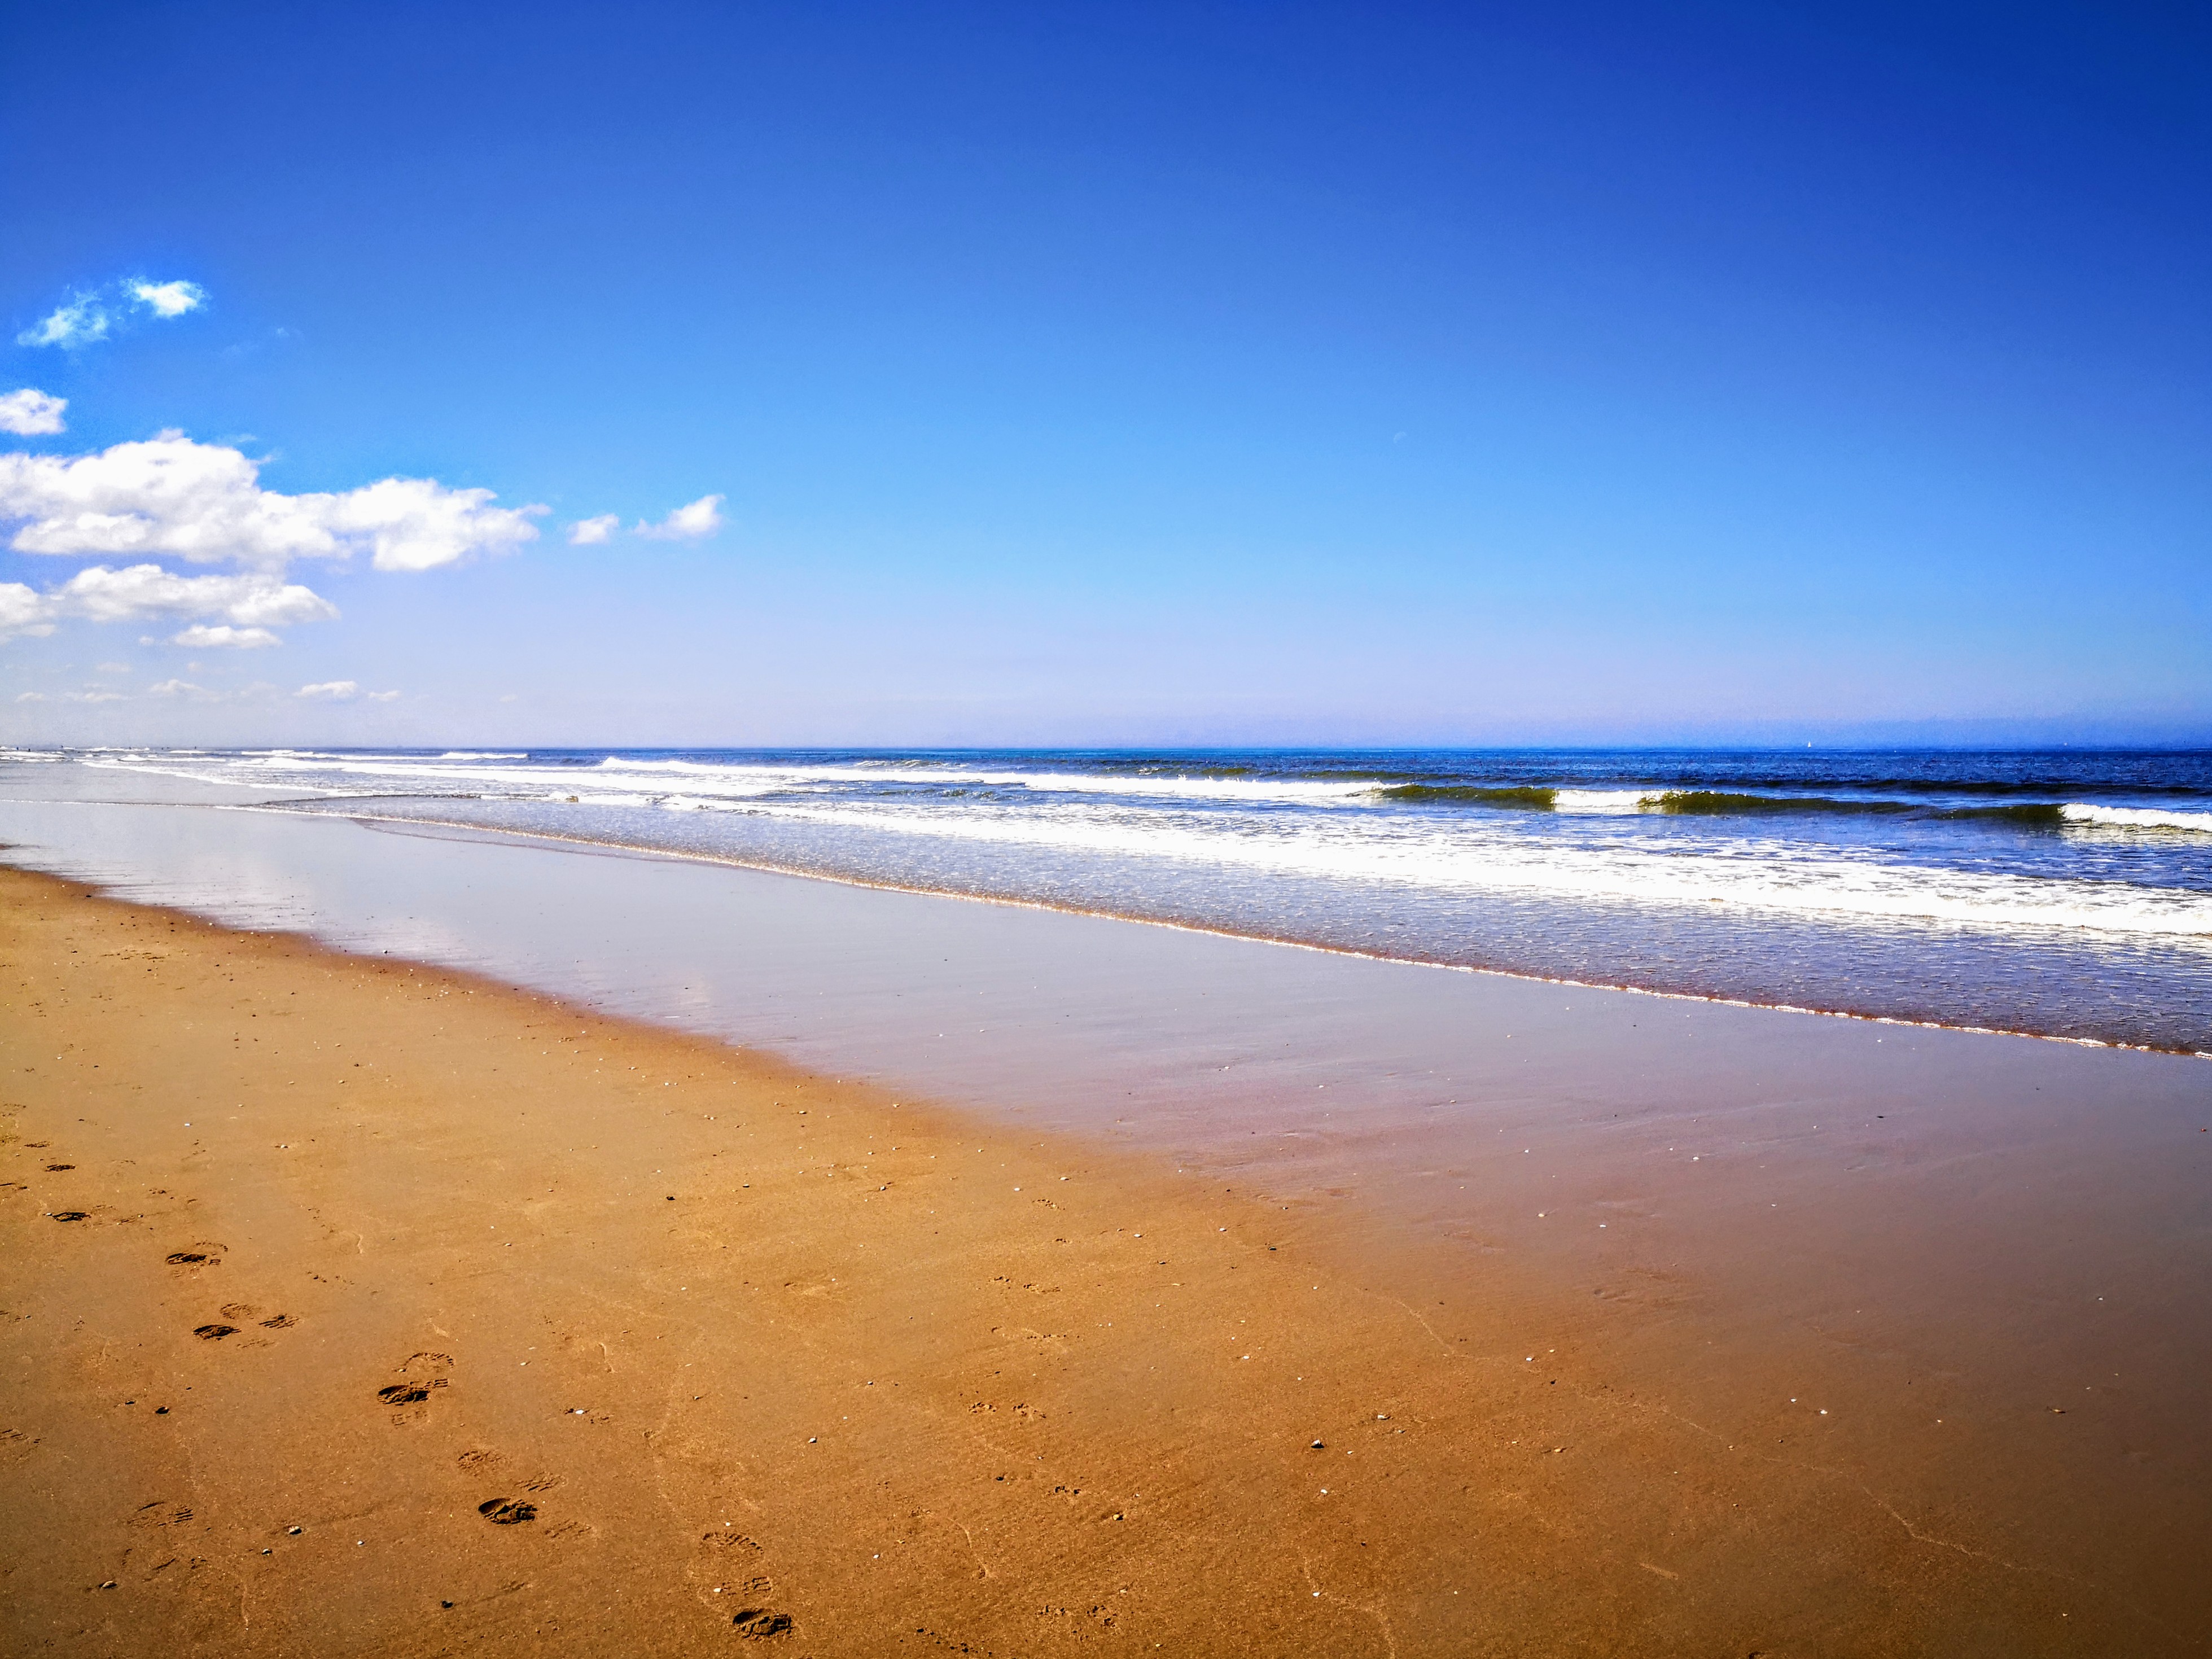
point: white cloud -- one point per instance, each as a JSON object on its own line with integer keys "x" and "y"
{"x": 23, "y": 610}
{"x": 79, "y": 320}
{"x": 28, "y": 697}
{"x": 343, "y": 692}
{"x": 195, "y": 693}
{"x": 590, "y": 533}
{"x": 167, "y": 299}
{"x": 85, "y": 316}
{"x": 30, "y": 413}
{"x": 417, "y": 524}
{"x": 702, "y": 518}
{"x": 203, "y": 503}
{"x": 201, "y": 636}
{"x": 98, "y": 593}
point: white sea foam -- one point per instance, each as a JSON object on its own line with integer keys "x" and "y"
{"x": 1603, "y": 800}
{"x": 2135, "y": 817}
{"x": 1762, "y": 875}
{"x": 726, "y": 777}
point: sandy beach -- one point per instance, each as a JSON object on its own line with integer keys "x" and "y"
{"x": 358, "y": 1306}
{"x": 1324, "y": 832}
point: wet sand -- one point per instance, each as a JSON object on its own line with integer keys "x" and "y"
{"x": 550, "y": 1332}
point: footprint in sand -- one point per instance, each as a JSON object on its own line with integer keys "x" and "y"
{"x": 197, "y": 1255}
{"x": 752, "y": 1621}
{"x": 68, "y": 1215}
{"x": 56, "y": 1169}
{"x": 755, "y": 1622}
{"x": 238, "y": 1315}
{"x": 480, "y": 1457}
{"x": 420, "y": 1372}
{"x": 507, "y": 1511}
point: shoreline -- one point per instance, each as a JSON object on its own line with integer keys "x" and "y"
{"x": 1038, "y": 1357}
{"x": 496, "y": 835}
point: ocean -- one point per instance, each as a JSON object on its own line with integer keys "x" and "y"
{"x": 2062, "y": 893}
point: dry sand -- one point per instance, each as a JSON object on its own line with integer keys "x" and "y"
{"x": 357, "y": 1308}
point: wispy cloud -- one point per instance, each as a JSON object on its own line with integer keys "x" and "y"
{"x": 77, "y": 321}
{"x": 190, "y": 692}
{"x": 92, "y": 314}
{"x": 686, "y": 524}
{"x": 590, "y": 533}
{"x": 201, "y": 636}
{"x": 30, "y": 413}
{"x": 343, "y": 692}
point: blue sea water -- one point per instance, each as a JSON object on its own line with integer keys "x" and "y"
{"x": 2066, "y": 893}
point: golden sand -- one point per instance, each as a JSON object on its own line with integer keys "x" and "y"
{"x": 357, "y": 1308}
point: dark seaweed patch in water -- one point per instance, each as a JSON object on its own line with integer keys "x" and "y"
{"x": 2041, "y": 815}
{"x": 1717, "y": 803}
{"x": 1725, "y": 802}
{"x": 1528, "y": 799}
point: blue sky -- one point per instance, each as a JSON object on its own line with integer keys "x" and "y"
{"x": 1202, "y": 373}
